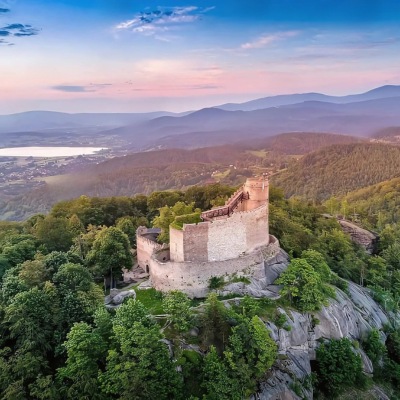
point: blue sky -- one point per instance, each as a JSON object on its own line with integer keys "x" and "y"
{"x": 119, "y": 55}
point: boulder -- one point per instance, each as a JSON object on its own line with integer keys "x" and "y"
{"x": 116, "y": 297}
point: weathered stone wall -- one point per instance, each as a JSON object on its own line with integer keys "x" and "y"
{"x": 176, "y": 245}
{"x": 193, "y": 278}
{"x": 146, "y": 247}
{"x": 195, "y": 241}
{"x": 221, "y": 239}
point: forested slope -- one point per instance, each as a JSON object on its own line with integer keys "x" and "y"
{"x": 338, "y": 169}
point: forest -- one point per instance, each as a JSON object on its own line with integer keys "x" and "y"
{"x": 172, "y": 168}
{"x": 339, "y": 169}
{"x": 58, "y": 341}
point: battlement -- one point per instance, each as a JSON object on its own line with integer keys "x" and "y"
{"x": 233, "y": 232}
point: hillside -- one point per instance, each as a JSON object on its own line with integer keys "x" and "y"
{"x": 388, "y": 135}
{"x": 376, "y": 205}
{"x": 169, "y": 169}
{"x": 297, "y": 143}
{"x": 339, "y": 169}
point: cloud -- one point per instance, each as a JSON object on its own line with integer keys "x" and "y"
{"x": 265, "y": 40}
{"x": 72, "y": 89}
{"x": 16, "y": 30}
{"x": 20, "y": 30}
{"x": 152, "y": 23}
{"x": 5, "y": 43}
{"x": 92, "y": 87}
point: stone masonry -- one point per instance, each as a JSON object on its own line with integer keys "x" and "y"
{"x": 231, "y": 240}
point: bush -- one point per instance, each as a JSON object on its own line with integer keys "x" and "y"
{"x": 338, "y": 367}
{"x": 216, "y": 282}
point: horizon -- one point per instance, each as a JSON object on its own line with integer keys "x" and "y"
{"x": 192, "y": 110}
{"x": 177, "y": 57}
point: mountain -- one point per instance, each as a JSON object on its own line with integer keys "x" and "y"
{"x": 360, "y": 115}
{"x": 286, "y": 99}
{"x": 44, "y": 120}
{"x": 338, "y": 169}
{"x": 213, "y": 126}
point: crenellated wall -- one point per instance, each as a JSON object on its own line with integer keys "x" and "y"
{"x": 223, "y": 245}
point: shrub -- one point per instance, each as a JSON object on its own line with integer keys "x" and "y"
{"x": 216, "y": 282}
{"x": 338, "y": 367}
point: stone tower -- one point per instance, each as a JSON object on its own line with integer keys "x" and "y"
{"x": 257, "y": 191}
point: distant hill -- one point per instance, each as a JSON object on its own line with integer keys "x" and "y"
{"x": 44, "y": 120}
{"x": 360, "y": 115}
{"x": 213, "y": 126}
{"x": 286, "y": 99}
{"x": 339, "y": 169}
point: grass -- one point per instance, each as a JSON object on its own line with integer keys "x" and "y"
{"x": 151, "y": 299}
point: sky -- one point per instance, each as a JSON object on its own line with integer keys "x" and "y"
{"x": 139, "y": 56}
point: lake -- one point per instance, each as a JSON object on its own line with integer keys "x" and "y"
{"x": 47, "y": 151}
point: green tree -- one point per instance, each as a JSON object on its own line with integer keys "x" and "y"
{"x": 303, "y": 285}
{"x": 168, "y": 215}
{"x": 374, "y": 347}
{"x": 20, "y": 251}
{"x": 214, "y": 322}
{"x": 73, "y": 277}
{"x": 317, "y": 261}
{"x": 54, "y": 233}
{"x": 177, "y": 305}
{"x": 79, "y": 377}
{"x": 159, "y": 200}
{"x": 30, "y": 319}
{"x": 249, "y": 354}
{"x": 338, "y": 367}
{"x": 33, "y": 272}
{"x": 110, "y": 253}
{"x": 217, "y": 382}
{"x": 139, "y": 366}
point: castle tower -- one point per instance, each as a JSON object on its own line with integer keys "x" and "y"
{"x": 257, "y": 190}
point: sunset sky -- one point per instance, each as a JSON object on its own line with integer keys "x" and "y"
{"x": 134, "y": 56}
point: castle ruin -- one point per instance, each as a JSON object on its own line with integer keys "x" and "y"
{"x": 232, "y": 239}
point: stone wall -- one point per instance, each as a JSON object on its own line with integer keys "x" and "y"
{"x": 146, "y": 247}
{"x": 221, "y": 239}
{"x": 193, "y": 278}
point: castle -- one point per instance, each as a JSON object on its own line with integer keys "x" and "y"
{"x": 231, "y": 240}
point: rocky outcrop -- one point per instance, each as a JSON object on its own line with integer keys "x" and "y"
{"x": 351, "y": 316}
{"x": 261, "y": 281}
{"x": 363, "y": 237}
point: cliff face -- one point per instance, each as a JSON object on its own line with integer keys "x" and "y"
{"x": 347, "y": 316}
{"x": 351, "y": 316}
